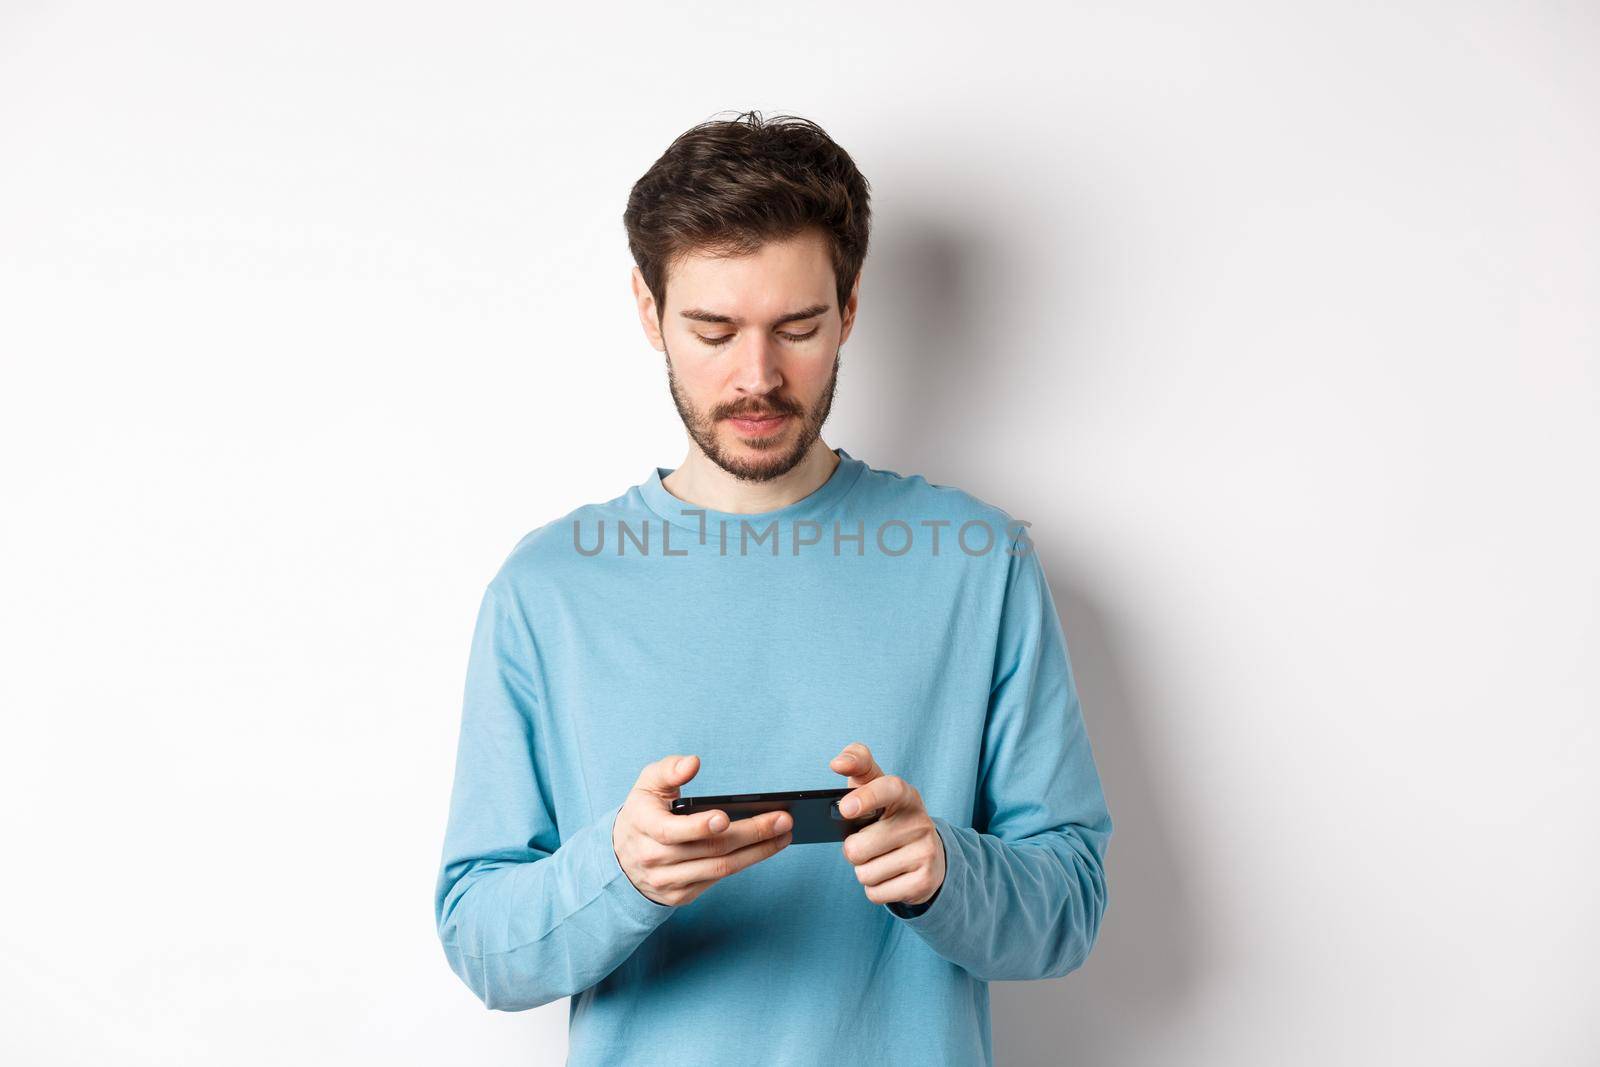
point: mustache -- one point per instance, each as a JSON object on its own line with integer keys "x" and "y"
{"x": 757, "y": 413}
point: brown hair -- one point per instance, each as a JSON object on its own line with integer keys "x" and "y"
{"x": 727, "y": 187}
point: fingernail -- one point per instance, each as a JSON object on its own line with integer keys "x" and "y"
{"x": 782, "y": 823}
{"x": 719, "y": 822}
{"x": 683, "y": 764}
{"x": 850, "y": 807}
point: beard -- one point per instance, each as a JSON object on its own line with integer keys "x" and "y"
{"x": 774, "y": 459}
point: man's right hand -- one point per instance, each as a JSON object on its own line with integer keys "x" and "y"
{"x": 672, "y": 859}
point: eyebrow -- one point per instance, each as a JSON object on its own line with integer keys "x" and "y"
{"x": 702, "y": 315}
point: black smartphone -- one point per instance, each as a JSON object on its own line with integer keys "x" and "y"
{"x": 815, "y": 812}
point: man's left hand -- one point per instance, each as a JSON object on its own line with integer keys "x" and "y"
{"x": 900, "y": 857}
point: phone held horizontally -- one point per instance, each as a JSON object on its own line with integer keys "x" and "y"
{"x": 815, "y": 811}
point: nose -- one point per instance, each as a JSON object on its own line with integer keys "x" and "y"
{"x": 757, "y": 368}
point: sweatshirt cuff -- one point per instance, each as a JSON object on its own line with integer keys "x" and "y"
{"x": 917, "y": 916}
{"x": 624, "y": 895}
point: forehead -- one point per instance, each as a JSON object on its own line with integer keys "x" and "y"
{"x": 778, "y": 277}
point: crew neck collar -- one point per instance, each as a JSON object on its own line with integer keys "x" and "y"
{"x": 813, "y": 506}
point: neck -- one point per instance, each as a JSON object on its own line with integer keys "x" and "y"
{"x": 702, "y": 483}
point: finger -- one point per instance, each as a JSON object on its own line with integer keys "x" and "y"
{"x": 716, "y": 868}
{"x": 883, "y": 794}
{"x": 669, "y": 829}
{"x": 665, "y": 775}
{"x": 900, "y": 888}
{"x": 857, "y": 762}
{"x": 711, "y": 827}
{"x": 889, "y": 865}
{"x": 880, "y": 838}
{"x": 744, "y": 832}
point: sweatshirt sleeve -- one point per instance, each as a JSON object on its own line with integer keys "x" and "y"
{"x": 528, "y": 912}
{"x": 1025, "y": 886}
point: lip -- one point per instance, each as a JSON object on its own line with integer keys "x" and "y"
{"x": 759, "y": 427}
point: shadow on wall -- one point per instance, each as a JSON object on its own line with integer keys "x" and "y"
{"x": 940, "y": 292}
{"x": 1145, "y": 963}
{"x": 926, "y": 371}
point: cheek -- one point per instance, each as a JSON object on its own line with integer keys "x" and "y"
{"x": 812, "y": 378}
{"x": 694, "y": 374}
{"x": 813, "y": 369}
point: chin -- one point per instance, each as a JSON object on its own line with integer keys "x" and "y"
{"x": 757, "y": 463}
{"x": 766, "y": 446}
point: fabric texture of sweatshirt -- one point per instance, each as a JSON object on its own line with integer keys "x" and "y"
{"x": 881, "y": 608}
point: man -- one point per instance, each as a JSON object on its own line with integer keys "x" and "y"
{"x": 769, "y": 615}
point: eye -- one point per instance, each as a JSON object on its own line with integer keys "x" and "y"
{"x": 795, "y": 338}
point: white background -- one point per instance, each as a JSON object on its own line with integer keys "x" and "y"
{"x": 1277, "y": 321}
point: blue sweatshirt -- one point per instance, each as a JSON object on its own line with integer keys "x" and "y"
{"x": 881, "y": 608}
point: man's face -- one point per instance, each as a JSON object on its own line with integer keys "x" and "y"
{"x": 752, "y": 350}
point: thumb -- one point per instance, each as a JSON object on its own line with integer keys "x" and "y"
{"x": 665, "y": 775}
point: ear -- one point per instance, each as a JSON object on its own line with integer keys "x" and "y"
{"x": 647, "y": 311}
{"x": 848, "y": 313}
